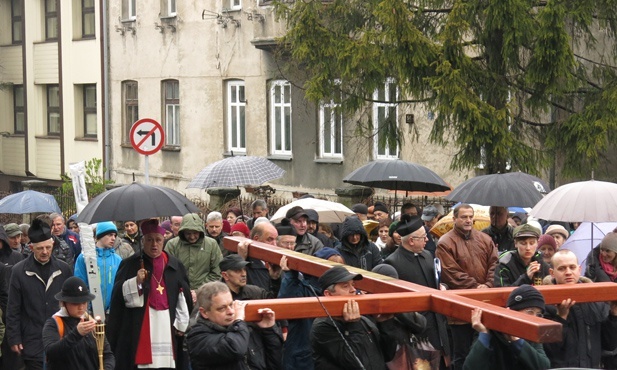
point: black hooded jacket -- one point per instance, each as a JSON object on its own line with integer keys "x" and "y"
{"x": 365, "y": 254}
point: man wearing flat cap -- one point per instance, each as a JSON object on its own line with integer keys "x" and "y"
{"x": 361, "y": 210}
{"x": 415, "y": 264}
{"x": 34, "y": 283}
{"x": 523, "y": 265}
{"x": 305, "y": 242}
{"x": 369, "y": 343}
{"x": 233, "y": 271}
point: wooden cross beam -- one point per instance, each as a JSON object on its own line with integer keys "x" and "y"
{"x": 390, "y": 295}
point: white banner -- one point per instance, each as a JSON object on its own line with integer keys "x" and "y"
{"x": 78, "y": 178}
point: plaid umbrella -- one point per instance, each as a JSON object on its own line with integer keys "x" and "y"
{"x": 29, "y": 201}
{"x": 236, "y": 171}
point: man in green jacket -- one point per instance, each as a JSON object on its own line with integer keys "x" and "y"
{"x": 197, "y": 252}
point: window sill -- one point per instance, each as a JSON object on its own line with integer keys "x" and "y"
{"x": 279, "y": 157}
{"x": 87, "y": 138}
{"x": 17, "y": 134}
{"x": 126, "y": 146}
{"x": 128, "y": 21}
{"x": 53, "y": 137}
{"x": 329, "y": 160}
{"x": 168, "y": 17}
{"x": 85, "y": 38}
{"x": 234, "y": 154}
{"x": 169, "y": 148}
{"x": 9, "y": 45}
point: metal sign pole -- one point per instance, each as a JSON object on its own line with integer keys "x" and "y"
{"x": 146, "y": 170}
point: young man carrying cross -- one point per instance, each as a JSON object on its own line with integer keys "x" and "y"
{"x": 588, "y": 328}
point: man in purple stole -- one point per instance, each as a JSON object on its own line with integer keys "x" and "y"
{"x": 150, "y": 306}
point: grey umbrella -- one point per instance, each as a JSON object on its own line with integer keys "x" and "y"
{"x": 236, "y": 171}
{"x": 29, "y": 201}
{"x": 136, "y": 202}
{"x": 501, "y": 189}
{"x": 397, "y": 175}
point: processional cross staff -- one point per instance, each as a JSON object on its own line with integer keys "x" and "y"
{"x": 393, "y": 296}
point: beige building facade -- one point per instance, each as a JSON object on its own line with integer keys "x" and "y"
{"x": 51, "y": 106}
{"x": 207, "y": 73}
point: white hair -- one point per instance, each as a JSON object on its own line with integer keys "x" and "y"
{"x": 214, "y": 216}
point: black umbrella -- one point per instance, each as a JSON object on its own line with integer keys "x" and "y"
{"x": 397, "y": 175}
{"x": 501, "y": 189}
{"x": 136, "y": 202}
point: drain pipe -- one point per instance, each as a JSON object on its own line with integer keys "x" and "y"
{"x": 105, "y": 89}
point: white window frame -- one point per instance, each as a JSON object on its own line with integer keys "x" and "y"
{"x": 172, "y": 113}
{"x": 329, "y": 151}
{"x": 172, "y": 8}
{"x": 279, "y": 109}
{"x": 235, "y": 4}
{"x": 236, "y": 117}
{"x": 377, "y": 107}
{"x": 130, "y": 11}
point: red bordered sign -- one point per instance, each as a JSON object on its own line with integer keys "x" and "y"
{"x": 147, "y": 136}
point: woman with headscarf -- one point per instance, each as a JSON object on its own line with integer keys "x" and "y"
{"x": 150, "y": 306}
{"x": 68, "y": 336}
{"x": 602, "y": 260}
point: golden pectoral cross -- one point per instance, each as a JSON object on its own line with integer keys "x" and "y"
{"x": 160, "y": 289}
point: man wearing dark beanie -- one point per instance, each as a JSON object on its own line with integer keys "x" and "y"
{"x": 34, "y": 283}
{"x": 493, "y": 350}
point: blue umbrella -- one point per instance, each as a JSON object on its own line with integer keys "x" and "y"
{"x": 585, "y": 238}
{"x": 29, "y": 201}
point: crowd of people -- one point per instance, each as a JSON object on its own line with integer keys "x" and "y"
{"x": 174, "y": 297}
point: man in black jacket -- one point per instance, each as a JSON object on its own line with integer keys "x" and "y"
{"x": 34, "y": 282}
{"x": 221, "y": 339}
{"x": 589, "y": 329}
{"x": 365, "y": 343}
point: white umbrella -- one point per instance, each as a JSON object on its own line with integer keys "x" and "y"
{"x": 593, "y": 201}
{"x": 329, "y": 212}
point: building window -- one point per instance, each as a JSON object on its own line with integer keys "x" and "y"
{"x": 168, "y": 8}
{"x": 171, "y": 104}
{"x": 87, "y": 18}
{"x": 89, "y": 105}
{"x": 235, "y": 4}
{"x": 129, "y": 12}
{"x": 51, "y": 20}
{"x": 385, "y": 117}
{"x": 236, "y": 108}
{"x": 130, "y": 115}
{"x": 16, "y": 21}
{"x": 330, "y": 130}
{"x": 280, "y": 117}
{"x": 19, "y": 121}
{"x": 53, "y": 110}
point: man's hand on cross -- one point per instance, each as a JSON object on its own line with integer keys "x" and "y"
{"x": 267, "y": 318}
{"x": 476, "y": 321}
{"x": 563, "y": 309}
{"x": 351, "y": 311}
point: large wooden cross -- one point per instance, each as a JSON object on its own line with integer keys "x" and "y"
{"x": 390, "y": 295}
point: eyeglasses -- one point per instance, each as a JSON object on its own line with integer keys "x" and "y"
{"x": 533, "y": 313}
{"x": 288, "y": 244}
{"x": 419, "y": 237}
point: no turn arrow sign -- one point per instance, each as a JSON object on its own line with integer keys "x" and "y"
{"x": 147, "y": 136}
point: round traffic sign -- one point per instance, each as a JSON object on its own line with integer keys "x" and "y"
{"x": 147, "y": 136}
